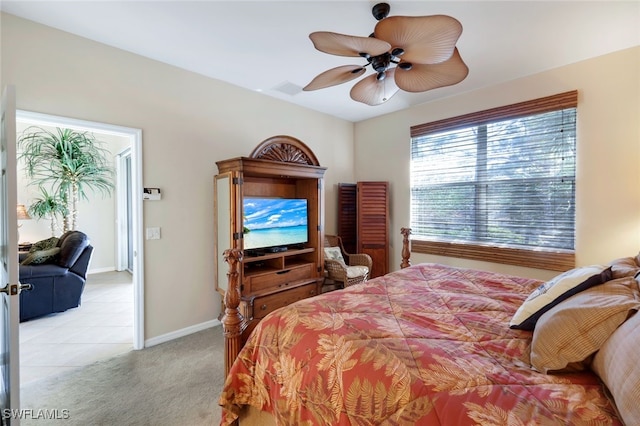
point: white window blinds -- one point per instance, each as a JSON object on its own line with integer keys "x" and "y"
{"x": 503, "y": 177}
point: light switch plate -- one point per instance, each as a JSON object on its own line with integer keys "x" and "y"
{"x": 153, "y": 233}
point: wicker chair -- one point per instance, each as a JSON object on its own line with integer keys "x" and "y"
{"x": 342, "y": 267}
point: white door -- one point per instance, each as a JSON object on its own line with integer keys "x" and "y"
{"x": 9, "y": 301}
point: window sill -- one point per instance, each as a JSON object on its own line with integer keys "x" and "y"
{"x": 539, "y": 259}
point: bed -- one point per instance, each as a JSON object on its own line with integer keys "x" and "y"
{"x": 437, "y": 345}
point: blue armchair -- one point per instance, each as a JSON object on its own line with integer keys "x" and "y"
{"x": 57, "y": 286}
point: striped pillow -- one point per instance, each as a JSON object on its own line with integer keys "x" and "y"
{"x": 617, "y": 365}
{"x": 625, "y": 267}
{"x": 569, "y": 333}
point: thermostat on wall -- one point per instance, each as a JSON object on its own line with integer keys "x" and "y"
{"x": 152, "y": 194}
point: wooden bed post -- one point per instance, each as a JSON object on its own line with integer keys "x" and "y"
{"x": 406, "y": 249}
{"x": 232, "y": 321}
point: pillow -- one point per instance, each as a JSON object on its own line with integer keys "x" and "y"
{"x": 570, "y": 332}
{"x": 555, "y": 291}
{"x": 356, "y": 271}
{"x": 47, "y": 244}
{"x": 625, "y": 267}
{"x": 617, "y": 365}
{"x": 41, "y": 256}
{"x": 333, "y": 253}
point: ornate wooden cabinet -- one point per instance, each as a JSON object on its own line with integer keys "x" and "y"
{"x": 363, "y": 221}
{"x": 280, "y": 167}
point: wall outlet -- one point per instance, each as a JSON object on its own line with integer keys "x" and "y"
{"x": 153, "y": 233}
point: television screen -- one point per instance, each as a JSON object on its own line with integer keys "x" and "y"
{"x": 274, "y": 222}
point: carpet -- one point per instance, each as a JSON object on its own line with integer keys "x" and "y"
{"x": 174, "y": 383}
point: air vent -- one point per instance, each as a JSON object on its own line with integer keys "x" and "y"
{"x": 288, "y": 88}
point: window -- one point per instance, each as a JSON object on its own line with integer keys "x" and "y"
{"x": 498, "y": 185}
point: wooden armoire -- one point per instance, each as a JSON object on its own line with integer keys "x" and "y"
{"x": 279, "y": 167}
{"x": 363, "y": 221}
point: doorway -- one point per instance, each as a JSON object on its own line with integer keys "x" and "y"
{"x": 127, "y": 228}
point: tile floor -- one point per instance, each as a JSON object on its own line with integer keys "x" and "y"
{"x": 101, "y": 327}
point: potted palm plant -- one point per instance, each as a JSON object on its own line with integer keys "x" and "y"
{"x": 69, "y": 162}
{"x": 49, "y": 206}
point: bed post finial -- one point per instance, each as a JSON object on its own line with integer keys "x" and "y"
{"x": 232, "y": 321}
{"x": 406, "y": 249}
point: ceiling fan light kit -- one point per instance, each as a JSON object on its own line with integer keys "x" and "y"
{"x": 412, "y": 53}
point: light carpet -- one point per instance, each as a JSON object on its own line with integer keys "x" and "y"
{"x": 174, "y": 383}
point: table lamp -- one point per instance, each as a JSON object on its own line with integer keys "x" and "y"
{"x": 22, "y": 215}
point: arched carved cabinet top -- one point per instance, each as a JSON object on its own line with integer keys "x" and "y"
{"x": 285, "y": 149}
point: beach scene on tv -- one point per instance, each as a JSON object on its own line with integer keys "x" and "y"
{"x": 274, "y": 222}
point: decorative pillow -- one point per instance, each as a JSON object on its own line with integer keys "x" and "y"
{"x": 47, "y": 244}
{"x": 570, "y": 332}
{"x": 555, "y": 291}
{"x": 41, "y": 256}
{"x": 333, "y": 253}
{"x": 625, "y": 267}
{"x": 617, "y": 365}
{"x": 356, "y": 271}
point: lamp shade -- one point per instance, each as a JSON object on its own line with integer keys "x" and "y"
{"x": 22, "y": 212}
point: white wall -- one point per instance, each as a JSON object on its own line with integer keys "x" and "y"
{"x": 608, "y": 154}
{"x": 188, "y": 123}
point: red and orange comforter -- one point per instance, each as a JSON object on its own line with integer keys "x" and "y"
{"x": 427, "y": 345}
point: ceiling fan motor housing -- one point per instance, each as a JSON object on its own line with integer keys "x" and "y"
{"x": 380, "y": 11}
{"x": 381, "y": 62}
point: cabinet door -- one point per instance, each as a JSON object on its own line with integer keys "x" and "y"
{"x": 347, "y": 228}
{"x": 373, "y": 224}
{"x": 227, "y": 219}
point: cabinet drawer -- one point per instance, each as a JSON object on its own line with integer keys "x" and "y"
{"x": 277, "y": 280}
{"x": 263, "y": 305}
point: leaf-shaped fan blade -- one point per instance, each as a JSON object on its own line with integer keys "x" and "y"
{"x": 423, "y": 77}
{"x": 425, "y": 39}
{"x": 335, "y": 76}
{"x": 373, "y": 92}
{"x": 346, "y": 45}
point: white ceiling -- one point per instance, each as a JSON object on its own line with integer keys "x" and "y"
{"x": 264, "y": 45}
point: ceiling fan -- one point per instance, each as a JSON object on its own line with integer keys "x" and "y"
{"x": 412, "y": 53}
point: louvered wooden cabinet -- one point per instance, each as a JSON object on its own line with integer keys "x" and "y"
{"x": 363, "y": 221}
{"x": 347, "y": 225}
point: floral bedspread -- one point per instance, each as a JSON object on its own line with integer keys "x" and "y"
{"x": 426, "y": 345}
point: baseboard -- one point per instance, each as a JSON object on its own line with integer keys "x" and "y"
{"x": 101, "y": 270}
{"x": 181, "y": 333}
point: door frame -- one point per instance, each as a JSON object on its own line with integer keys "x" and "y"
{"x": 135, "y": 137}
{"x": 124, "y": 195}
